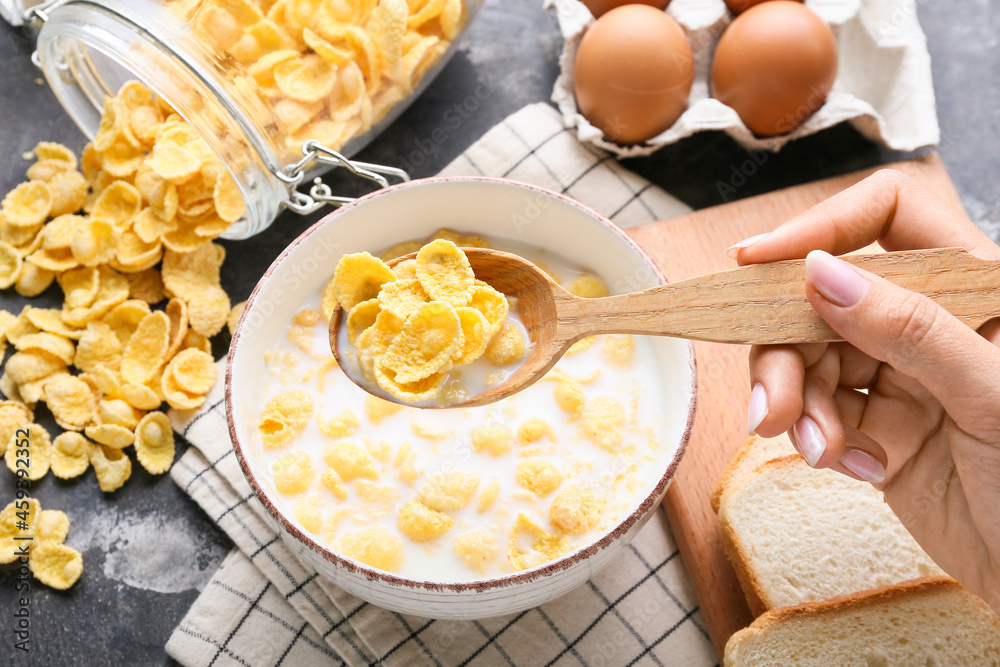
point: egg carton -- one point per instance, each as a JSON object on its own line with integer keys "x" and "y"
{"x": 883, "y": 86}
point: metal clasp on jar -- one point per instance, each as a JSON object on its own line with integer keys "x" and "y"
{"x": 320, "y": 193}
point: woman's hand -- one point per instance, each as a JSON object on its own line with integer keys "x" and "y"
{"x": 911, "y": 401}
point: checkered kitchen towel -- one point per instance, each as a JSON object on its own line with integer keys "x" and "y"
{"x": 266, "y": 607}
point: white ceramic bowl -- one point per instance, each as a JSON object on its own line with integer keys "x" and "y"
{"x": 486, "y": 206}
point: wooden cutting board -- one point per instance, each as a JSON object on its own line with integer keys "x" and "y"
{"x": 696, "y": 244}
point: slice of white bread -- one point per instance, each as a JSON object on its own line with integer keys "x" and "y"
{"x": 928, "y": 621}
{"x": 795, "y": 534}
{"x": 754, "y": 452}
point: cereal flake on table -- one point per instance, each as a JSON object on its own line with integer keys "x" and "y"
{"x": 127, "y": 226}
{"x": 23, "y": 523}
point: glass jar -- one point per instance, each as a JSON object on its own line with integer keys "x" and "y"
{"x": 206, "y": 65}
{"x": 12, "y": 11}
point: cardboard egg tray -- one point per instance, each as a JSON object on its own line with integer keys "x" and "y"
{"x": 883, "y": 86}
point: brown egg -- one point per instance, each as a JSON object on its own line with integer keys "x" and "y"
{"x": 600, "y": 7}
{"x": 737, "y": 6}
{"x": 633, "y": 73}
{"x": 775, "y": 64}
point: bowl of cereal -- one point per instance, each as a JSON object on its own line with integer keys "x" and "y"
{"x": 457, "y": 513}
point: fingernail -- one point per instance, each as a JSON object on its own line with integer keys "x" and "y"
{"x": 809, "y": 440}
{"x": 745, "y": 243}
{"x": 864, "y": 465}
{"x": 835, "y": 279}
{"x": 757, "y": 409}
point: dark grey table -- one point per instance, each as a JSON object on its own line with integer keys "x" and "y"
{"x": 148, "y": 549}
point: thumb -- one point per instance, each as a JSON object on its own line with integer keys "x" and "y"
{"x": 907, "y": 330}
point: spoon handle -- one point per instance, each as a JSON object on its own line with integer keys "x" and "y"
{"x": 766, "y": 304}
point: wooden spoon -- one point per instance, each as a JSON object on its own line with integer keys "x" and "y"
{"x": 761, "y": 304}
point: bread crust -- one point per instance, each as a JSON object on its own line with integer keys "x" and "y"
{"x": 841, "y": 603}
{"x": 736, "y": 551}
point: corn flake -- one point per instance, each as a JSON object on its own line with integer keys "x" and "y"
{"x": 375, "y": 547}
{"x": 447, "y": 491}
{"x": 444, "y": 272}
{"x": 145, "y": 286}
{"x": 350, "y": 461}
{"x": 177, "y": 154}
{"x": 48, "y": 320}
{"x": 51, "y": 344}
{"x": 46, "y": 170}
{"x": 140, "y": 396}
{"x": 175, "y": 396}
{"x": 68, "y": 190}
{"x": 602, "y": 421}
{"x": 29, "y": 366}
{"x": 71, "y": 401}
{"x": 195, "y": 340}
{"x": 56, "y": 565}
{"x": 402, "y": 297}
{"x": 588, "y": 287}
{"x": 50, "y": 150}
{"x": 307, "y": 512}
{"x": 14, "y": 415}
{"x": 429, "y": 340}
{"x": 538, "y": 476}
{"x": 331, "y": 482}
{"x": 359, "y": 277}
{"x": 234, "y": 317}
{"x": 79, "y": 286}
{"x": 377, "y": 409}
{"x": 575, "y": 510}
{"x": 507, "y": 347}
{"x": 98, "y": 346}
{"x": 410, "y": 392}
{"x": 124, "y": 318}
{"x": 118, "y": 204}
{"x": 569, "y": 397}
{"x": 422, "y": 524}
{"x": 493, "y": 305}
{"x": 111, "y": 466}
{"x": 117, "y": 411}
{"x": 10, "y": 265}
{"x": 52, "y": 526}
{"x": 285, "y": 417}
{"x": 146, "y": 350}
{"x": 39, "y": 452}
{"x": 133, "y": 254}
{"x": 361, "y": 317}
{"x": 33, "y": 280}
{"x": 493, "y": 438}
{"x": 475, "y": 330}
{"x": 154, "y": 443}
{"x": 110, "y": 435}
{"x": 208, "y": 310}
{"x": 477, "y": 549}
{"x": 341, "y": 426}
{"x": 193, "y": 371}
{"x": 293, "y": 473}
{"x": 27, "y": 205}
{"x": 16, "y": 520}
{"x": 544, "y": 546}
{"x": 328, "y": 302}
{"x": 489, "y": 495}
{"x": 533, "y": 430}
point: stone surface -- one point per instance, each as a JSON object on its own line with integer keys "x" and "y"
{"x": 122, "y": 611}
